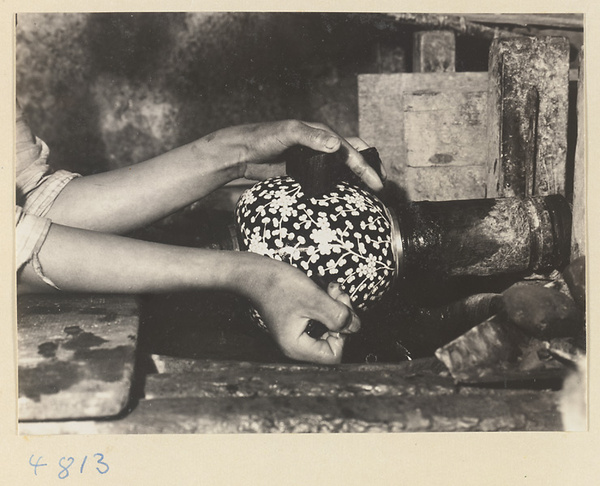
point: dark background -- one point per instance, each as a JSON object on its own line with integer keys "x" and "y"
{"x": 109, "y": 90}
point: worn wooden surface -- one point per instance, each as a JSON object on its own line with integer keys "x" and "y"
{"x": 76, "y": 355}
{"x": 528, "y": 111}
{"x": 434, "y": 51}
{"x": 240, "y": 379}
{"x": 567, "y": 21}
{"x": 579, "y": 185}
{"x": 230, "y": 397}
{"x": 430, "y": 130}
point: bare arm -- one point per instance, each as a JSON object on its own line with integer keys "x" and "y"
{"x": 81, "y": 260}
{"x": 126, "y": 199}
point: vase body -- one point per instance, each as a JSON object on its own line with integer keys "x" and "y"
{"x": 344, "y": 236}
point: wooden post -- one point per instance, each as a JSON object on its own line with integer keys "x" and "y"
{"x": 528, "y": 109}
{"x": 434, "y": 51}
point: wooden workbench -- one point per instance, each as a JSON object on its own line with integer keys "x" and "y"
{"x": 76, "y": 364}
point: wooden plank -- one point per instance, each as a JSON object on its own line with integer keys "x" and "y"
{"x": 467, "y": 410}
{"x": 561, "y": 20}
{"x": 169, "y": 364}
{"x": 395, "y": 21}
{"x": 420, "y": 121}
{"x": 446, "y": 183}
{"x": 76, "y": 355}
{"x": 434, "y": 51}
{"x": 528, "y": 110}
{"x": 233, "y": 379}
{"x": 435, "y": 122}
{"x": 579, "y": 185}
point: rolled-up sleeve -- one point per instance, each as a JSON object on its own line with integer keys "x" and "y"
{"x": 37, "y": 189}
{"x": 31, "y": 231}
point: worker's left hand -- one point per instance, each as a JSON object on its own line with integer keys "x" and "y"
{"x": 288, "y": 300}
{"x": 258, "y": 148}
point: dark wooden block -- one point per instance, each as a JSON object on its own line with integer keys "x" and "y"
{"x": 434, "y": 51}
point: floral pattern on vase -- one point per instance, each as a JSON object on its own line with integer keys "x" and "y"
{"x": 343, "y": 236}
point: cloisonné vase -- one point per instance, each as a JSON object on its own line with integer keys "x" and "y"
{"x": 343, "y": 236}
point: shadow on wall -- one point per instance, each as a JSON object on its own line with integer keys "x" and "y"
{"x": 109, "y": 90}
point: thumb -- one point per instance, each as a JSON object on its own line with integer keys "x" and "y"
{"x": 334, "y": 290}
{"x": 334, "y": 314}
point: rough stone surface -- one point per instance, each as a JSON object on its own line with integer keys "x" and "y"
{"x": 579, "y": 191}
{"x": 542, "y": 312}
{"x": 528, "y": 111}
{"x": 481, "y": 349}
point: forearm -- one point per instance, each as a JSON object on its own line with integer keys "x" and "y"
{"x": 125, "y": 199}
{"x": 77, "y": 260}
{"x": 85, "y": 261}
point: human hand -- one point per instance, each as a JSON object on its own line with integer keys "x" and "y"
{"x": 258, "y": 148}
{"x": 287, "y": 300}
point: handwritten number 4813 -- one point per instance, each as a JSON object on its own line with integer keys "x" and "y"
{"x": 66, "y": 462}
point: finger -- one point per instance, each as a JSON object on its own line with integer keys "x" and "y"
{"x": 335, "y": 292}
{"x": 354, "y": 324}
{"x": 363, "y": 170}
{"x": 326, "y": 351}
{"x": 355, "y": 161}
{"x": 332, "y": 313}
{"x": 357, "y": 143}
{"x": 317, "y": 137}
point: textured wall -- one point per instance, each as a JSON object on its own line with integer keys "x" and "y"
{"x": 108, "y": 90}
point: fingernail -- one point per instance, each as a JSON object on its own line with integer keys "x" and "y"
{"x": 332, "y": 142}
{"x": 333, "y": 285}
{"x": 354, "y": 325}
{"x": 383, "y": 171}
{"x": 372, "y": 180}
